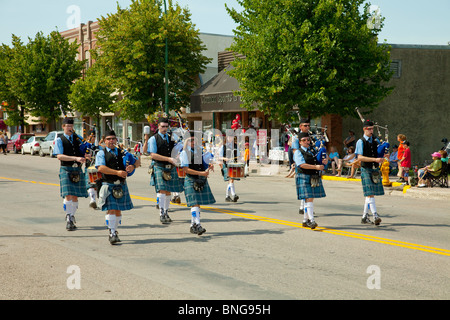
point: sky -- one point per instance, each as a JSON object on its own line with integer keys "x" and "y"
{"x": 406, "y": 21}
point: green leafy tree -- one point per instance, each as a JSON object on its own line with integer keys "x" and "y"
{"x": 131, "y": 48}
{"x": 93, "y": 94}
{"x": 15, "y": 109}
{"x": 42, "y": 72}
{"x": 317, "y": 55}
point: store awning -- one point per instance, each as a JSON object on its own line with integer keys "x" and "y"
{"x": 216, "y": 95}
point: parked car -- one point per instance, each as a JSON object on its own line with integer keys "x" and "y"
{"x": 17, "y": 140}
{"x": 48, "y": 144}
{"x": 32, "y": 145}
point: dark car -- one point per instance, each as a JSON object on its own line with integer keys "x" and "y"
{"x": 17, "y": 140}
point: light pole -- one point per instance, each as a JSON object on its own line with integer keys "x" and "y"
{"x": 166, "y": 73}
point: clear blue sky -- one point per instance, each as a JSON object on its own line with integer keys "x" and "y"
{"x": 406, "y": 21}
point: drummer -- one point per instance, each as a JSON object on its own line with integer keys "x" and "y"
{"x": 114, "y": 196}
{"x": 196, "y": 164}
{"x": 164, "y": 174}
{"x": 229, "y": 155}
{"x": 307, "y": 179}
{"x": 70, "y": 150}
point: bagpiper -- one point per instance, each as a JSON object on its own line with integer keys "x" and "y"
{"x": 197, "y": 166}
{"x": 366, "y": 152}
{"x": 71, "y": 151}
{"x": 114, "y": 196}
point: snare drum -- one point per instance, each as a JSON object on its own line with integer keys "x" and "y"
{"x": 94, "y": 175}
{"x": 181, "y": 172}
{"x": 236, "y": 170}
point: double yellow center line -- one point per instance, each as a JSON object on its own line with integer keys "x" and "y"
{"x": 348, "y": 234}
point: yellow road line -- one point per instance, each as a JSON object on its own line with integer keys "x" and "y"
{"x": 344, "y": 233}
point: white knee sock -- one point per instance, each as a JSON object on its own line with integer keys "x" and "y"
{"x": 309, "y": 210}
{"x": 92, "y": 194}
{"x": 302, "y": 204}
{"x": 372, "y": 206}
{"x": 111, "y": 222}
{"x": 167, "y": 205}
{"x": 366, "y": 207}
{"x": 233, "y": 193}
{"x": 195, "y": 215}
{"x": 162, "y": 203}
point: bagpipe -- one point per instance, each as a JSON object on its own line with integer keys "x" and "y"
{"x": 319, "y": 139}
{"x": 383, "y": 146}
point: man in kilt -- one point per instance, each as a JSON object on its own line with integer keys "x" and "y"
{"x": 366, "y": 152}
{"x": 114, "y": 196}
{"x": 304, "y": 127}
{"x": 196, "y": 187}
{"x": 228, "y": 154}
{"x": 71, "y": 151}
{"x": 164, "y": 174}
{"x": 307, "y": 179}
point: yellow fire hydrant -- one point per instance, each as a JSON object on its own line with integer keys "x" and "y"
{"x": 385, "y": 173}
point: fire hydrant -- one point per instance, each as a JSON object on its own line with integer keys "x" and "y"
{"x": 385, "y": 173}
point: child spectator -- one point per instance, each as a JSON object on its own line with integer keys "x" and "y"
{"x": 405, "y": 162}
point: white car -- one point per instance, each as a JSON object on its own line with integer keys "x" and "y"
{"x": 32, "y": 145}
{"x": 48, "y": 144}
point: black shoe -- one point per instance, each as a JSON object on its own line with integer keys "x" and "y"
{"x": 197, "y": 229}
{"x": 114, "y": 238}
{"x": 305, "y": 223}
{"x": 228, "y": 199}
{"x": 377, "y": 220}
{"x": 311, "y": 224}
{"x": 70, "y": 225}
{"x": 235, "y": 198}
{"x": 93, "y": 205}
{"x": 366, "y": 220}
{"x": 164, "y": 218}
{"x": 301, "y": 211}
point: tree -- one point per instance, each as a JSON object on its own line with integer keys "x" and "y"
{"x": 131, "y": 46}
{"x": 15, "y": 107}
{"x": 93, "y": 94}
{"x": 317, "y": 55}
{"x": 41, "y": 73}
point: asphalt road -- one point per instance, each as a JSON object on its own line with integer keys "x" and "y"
{"x": 255, "y": 249}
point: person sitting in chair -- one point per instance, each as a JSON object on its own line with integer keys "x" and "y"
{"x": 434, "y": 169}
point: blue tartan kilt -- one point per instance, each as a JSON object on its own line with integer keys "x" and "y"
{"x": 225, "y": 173}
{"x": 195, "y": 197}
{"x": 370, "y": 188}
{"x": 173, "y": 185}
{"x": 304, "y": 189}
{"x": 121, "y": 204}
{"x": 68, "y": 188}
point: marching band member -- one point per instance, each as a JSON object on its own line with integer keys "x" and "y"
{"x": 91, "y": 187}
{"x": 164, "y": 174}
{"x": 307, "y": 179}
{"x": 304, "y": 127}
{"x": 228, "y": 151}
{"x": 196, "y": 188}
{"x": 366, "y": 151}
{"x": 114, "y": 196}
{"x": 70, "y": 150}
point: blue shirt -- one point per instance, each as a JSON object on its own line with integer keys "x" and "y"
{"x": 360, "y": 147}
{"x": 59, "y": 149}
{"x": 152, "y": 148}
{"x": 298, "y": 156}
{"x": 185, "y": 161}
{"x": 127, "y": 157}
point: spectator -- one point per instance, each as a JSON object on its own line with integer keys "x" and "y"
{"x": 350, "y": 140}
{"x": 434, "y": 169}
{"x": 349, "y": 161}
{"x": 393, "y": 160}
{"x": 405, "y": 163}
{"x": 401, "y": 148}
{"x": 3, "y": 142}
{"x": 334, "y": 158}
{"x": 444, "y": 156}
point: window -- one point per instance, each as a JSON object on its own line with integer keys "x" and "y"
{"x": 396, "y": 67}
